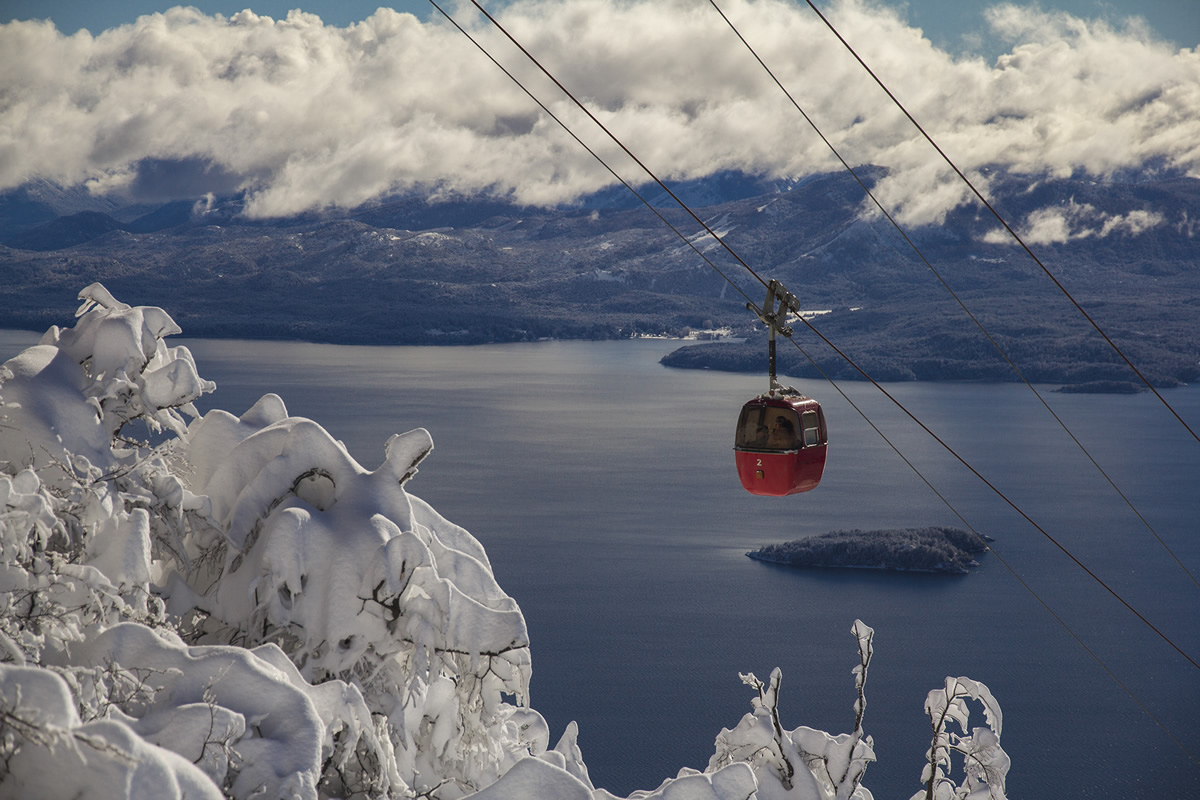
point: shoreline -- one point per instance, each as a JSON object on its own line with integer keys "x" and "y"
{"x": 876, "y": 567}
{"x": 1057, "y": 386}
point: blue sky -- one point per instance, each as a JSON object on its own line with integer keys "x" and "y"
{"x": 943, "y": 21}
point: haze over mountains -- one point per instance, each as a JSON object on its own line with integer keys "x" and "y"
{"x": 407, "y": 270}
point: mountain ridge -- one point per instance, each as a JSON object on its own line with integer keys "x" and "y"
{"x": 405, "y": 270}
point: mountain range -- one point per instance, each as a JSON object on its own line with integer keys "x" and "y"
{"x": 413, "y": 270}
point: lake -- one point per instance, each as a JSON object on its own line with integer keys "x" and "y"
{"x": 603, "y": 487}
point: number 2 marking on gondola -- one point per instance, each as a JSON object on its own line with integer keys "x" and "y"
{"x": 759, "y": 460}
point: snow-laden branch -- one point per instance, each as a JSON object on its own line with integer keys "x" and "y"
{"x": 47, "y": 751}
{"x": 803, "y": 762}
{"x": 985, "y": 764}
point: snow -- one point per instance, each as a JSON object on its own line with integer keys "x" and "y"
{"x": 98, "y": 759}
{"x": 243, "y": 610}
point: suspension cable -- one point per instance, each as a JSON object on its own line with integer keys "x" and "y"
{"x": 615, "y": 140}
{"x": 690, "y": 243}
{"x": 1003, "y": 561}
{"x": 996, "y": 345}
{"x": 1004, "y": 223}
{"x": 683, "y": 237}
{"x": 996, "y": 490}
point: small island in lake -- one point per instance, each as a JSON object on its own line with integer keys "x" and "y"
{"x": 1102, "y": 387}
{"x": 932, "y": 549}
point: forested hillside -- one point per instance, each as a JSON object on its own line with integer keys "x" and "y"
{"x": 479, "y": 270}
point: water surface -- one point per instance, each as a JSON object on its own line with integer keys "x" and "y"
{"x": 602, "y": 485}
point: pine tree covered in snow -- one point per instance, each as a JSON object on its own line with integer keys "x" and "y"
{"x": 243, "y": 610}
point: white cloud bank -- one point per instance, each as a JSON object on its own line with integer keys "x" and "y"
{"x": 302, "y": 115}
{"x": 1061, "y": 224}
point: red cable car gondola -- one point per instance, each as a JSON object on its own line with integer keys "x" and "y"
{"x": 780, "y": 444}
{"x": 781, "y": 440}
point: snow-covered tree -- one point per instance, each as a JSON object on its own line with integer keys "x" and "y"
{"x": 232, "y": 606}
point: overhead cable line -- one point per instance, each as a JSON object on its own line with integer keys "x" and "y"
{"x": 1007, "y": 566}
{"x": 686, "y": 240}
{"x": 1004, "y": 223}
{"x": 996, "y": 345}
{"x": 830, "y": 344}
{"x": 708, "y": 261}
{"x": 1062, "y": 623}
{"x": 833, "y": 383}
{"x": 612, "y": 136}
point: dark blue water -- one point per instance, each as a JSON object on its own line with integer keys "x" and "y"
{"x": 603, "y": 487}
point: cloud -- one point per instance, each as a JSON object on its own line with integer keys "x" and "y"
{"x": 1061, "y": 224}
{"x": 301, "y": 115}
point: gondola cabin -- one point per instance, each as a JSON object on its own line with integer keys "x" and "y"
{"x": 780, "y": 444}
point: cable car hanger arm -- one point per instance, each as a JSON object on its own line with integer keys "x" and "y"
{"x": 773, "y": 314}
